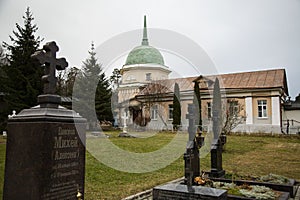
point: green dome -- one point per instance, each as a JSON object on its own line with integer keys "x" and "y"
{"x": 144, "y": 54}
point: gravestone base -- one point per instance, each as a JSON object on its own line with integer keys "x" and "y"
{"x": 126, "y": 135}
{"x": 45, "y": 155}
{"x": 216, "y": 173}
{"x": 173, "y": 191}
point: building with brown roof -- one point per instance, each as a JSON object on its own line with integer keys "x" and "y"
{"x": 258, "y": 98}
{"x": 145, "y": 94}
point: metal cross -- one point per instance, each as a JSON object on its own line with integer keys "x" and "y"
{"x": 47, "y": 57}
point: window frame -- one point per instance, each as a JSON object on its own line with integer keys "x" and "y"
{"x": 148, "y": 77}
{"x": 154, "y": 112}
{"x": 170, "y": 111}
{"x": 233, "y": 108}
{"x": 209, "y": 110}
{"x": 262, "y": 108}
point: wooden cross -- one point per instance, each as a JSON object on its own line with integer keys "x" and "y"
{"x": 47, "y": 57}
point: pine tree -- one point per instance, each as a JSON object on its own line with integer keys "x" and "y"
{"x": 176, "y": 108}
{"x": 3, "y": 105}
{"x": 92, "y": 90}
{"x": 115, "y": 78}
{"x": 24, "y": 73}
{"x": 197, "y": 103}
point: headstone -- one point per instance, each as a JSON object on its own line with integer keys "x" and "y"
{"x": 45, "y": 152}
{"x": 216, "y": 146}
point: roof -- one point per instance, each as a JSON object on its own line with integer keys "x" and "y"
{"x": 274, "y": 78}
{"x": 144, "y": 54}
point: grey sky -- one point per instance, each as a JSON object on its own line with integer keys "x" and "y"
{"x": 238, "y": 35}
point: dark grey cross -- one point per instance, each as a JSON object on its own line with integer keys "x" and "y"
{"x": 191, "y": 157}
{"x": 47, "y": 57}
{"x": 191, "y": 117}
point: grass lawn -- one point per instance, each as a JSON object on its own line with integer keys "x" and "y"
{"x": 244, "y": 155}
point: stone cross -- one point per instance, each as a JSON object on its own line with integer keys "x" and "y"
{"x": 47, "y": 57}
{"x": 191, "y": 157}
{"x": 124, "y": 117}
{"x": 191, "y": 117}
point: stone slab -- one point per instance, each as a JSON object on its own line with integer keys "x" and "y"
{"x": 173, "y": 191}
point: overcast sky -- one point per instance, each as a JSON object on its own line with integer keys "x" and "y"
{"x": 237, "y": 35}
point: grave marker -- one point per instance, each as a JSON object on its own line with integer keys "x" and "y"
{"x": 187, "y": 190}
{"x": 45, "y": 152}
{"x": 124, "y": 117}
{"x": 216, "y": 146}
{"x": 191, "y": 157}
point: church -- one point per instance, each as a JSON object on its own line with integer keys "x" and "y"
{"x": 145, "y": 94}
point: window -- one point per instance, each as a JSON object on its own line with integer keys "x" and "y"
{"x": 262, "y": 108}
{"x": 170, "y": 111}
{"x": 233, "y": 108}
{"x": 209, "y": 110}
{"x": 154, "y": 111}
{"x": 130, "y": 78}
{"x": 148, "y": 77}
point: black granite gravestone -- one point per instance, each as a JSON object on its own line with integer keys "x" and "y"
{"x": 45, "y": 152}
{"x": 216, "y": 146}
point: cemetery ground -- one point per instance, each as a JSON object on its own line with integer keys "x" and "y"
{"x": 253, "y": 155}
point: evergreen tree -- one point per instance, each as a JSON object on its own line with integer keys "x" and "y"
{"x": 115, "y": 81}
{"x": 176, "y": 108}
{"x": 92, "y": 91}
{"x": 3, "y": 104}
{"x": 197, "y": 103}
{"x": 115, "y": 78}
{"x": 24, "y": 73}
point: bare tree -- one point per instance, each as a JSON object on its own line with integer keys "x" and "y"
{"x": 232, "y": 116}
{"x": 153, "y": 94}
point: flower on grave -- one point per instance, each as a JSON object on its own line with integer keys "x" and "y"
{"x": 199, "y": 181}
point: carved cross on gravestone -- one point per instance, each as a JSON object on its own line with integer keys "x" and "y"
{"x": 47, "y": 57}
